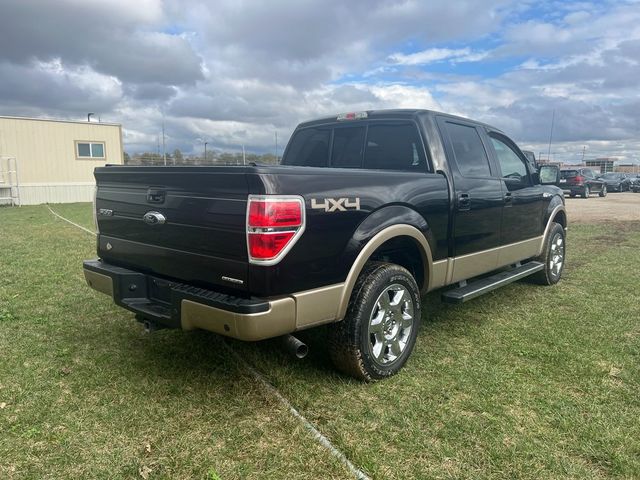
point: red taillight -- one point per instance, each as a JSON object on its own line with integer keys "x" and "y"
{"x": 273, "y": 226}
{"x": 274, "y": 214}
{"x": 579, "y": 179}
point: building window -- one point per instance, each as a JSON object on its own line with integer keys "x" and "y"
{"x": 90, "y": 149}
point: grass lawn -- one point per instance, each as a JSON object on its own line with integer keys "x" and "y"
{"x": 525, "y": 382}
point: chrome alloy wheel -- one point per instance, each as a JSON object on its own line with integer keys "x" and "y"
{"x": 390, "y": 324}
{"x": 556, "y": 256}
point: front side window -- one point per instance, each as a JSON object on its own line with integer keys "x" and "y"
{"x": 90, "y": 149}
{"x": 468, "y": 150}
{"x": 511, "y": 165}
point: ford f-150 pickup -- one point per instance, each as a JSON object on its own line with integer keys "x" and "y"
{"x": 366, "y": 212}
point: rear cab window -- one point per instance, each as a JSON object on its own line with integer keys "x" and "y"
{"x": 568, "y": 173}
{"x": 373, "y": 144}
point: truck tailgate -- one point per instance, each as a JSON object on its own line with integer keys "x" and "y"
{"x": 202, "y": 239}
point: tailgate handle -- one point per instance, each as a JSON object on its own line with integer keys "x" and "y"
{"x": 155, "y": 196}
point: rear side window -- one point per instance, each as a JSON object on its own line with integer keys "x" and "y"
{"x": 471, "y": 157}
{"x": 347, "y": 147}
{"x": 309, "y": 147}
{"x": 394, "y": 147}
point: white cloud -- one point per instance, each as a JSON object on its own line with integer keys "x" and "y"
{"x": 433, "y": 55}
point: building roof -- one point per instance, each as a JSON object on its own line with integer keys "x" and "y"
{"x": 11, "y": 117}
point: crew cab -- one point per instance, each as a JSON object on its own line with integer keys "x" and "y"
{"x": 367, "y": 212}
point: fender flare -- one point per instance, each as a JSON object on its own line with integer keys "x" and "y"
{"x": 392, "y": 231}
{"x": 550, "y": 216}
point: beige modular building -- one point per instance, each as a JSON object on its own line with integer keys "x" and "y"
{"x": 52, "y": 161}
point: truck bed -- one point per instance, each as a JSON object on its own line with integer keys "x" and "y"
{"x": 204, "y": 237}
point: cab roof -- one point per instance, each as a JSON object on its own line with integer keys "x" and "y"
{"x": 396, "y": 113}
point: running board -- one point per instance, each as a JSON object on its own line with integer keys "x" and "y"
{"x": 485, "y": 285}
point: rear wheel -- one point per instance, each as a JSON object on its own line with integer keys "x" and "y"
{"x": 378, "y": 333}
{"x": 603, "y": 192}
{"x": 586, "y": 192}
{"x": 552, "y": 257}
{"x": 572, "y": 195}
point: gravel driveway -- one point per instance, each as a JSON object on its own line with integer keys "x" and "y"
{"x": 615, "y": 206}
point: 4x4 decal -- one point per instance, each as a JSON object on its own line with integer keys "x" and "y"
{"x": 336, "y": 204}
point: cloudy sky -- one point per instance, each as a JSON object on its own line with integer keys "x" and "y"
{"x": 234, "y": 72}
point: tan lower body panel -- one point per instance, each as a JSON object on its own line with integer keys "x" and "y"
{"x": 278, "y": 320}
{"x": 99, "y": 282}
{"x": 285, "y": 315}
{"x": 474, "y": 264}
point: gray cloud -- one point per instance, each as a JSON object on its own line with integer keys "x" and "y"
{"x": 113, "y": 41}
{"x": 50, "y": 89}
{"x": 235, "y": 73}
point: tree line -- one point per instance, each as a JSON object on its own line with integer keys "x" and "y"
{"x": 212, "y": 158}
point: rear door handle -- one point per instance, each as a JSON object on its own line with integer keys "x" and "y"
{"x": 508, "y": 198}
{"x": 464, "y": 201}
{"x": 155, "y": 196}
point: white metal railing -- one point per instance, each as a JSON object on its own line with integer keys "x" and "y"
{"x": 9, "y": 184}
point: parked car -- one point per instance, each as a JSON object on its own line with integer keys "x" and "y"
{"x": 367, "y": 211}
{"x": 635, "y": 182}
{"x": 581, "y": 181}
{"x": 616, "y": 182}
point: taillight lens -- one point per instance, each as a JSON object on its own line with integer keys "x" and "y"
{"x": 274, "y": 213}
{"x": 273, "y": 226}
{"x": 579, "y": 179}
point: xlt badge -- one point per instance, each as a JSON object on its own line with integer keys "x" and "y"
{"x": 336, "y": 204}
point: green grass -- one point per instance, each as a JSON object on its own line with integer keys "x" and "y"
{"x": 526, "y": 382}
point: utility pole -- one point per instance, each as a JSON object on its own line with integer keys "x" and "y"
{"x": 276, "y": 145}
{"x": 583, "y": 149}
{"x": 205, "y": 151}
{"x": 244, "y": 158}
{"x": 553, "y": 117}
{"x": 89, "y": 116}
{"x": 164, "y": 153}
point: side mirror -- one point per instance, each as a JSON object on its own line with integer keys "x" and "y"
{"x": 549, "y": 175}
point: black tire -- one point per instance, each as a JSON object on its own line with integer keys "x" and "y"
{"x": 352, "y": 345}
{"x": 572, "y": 195}
{"x": 550, "y": 274}
{"x": 586, "y": 192}
{"x": 603, "y": 192}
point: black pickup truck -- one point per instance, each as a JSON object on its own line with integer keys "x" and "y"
{"x": 366, "y": 212}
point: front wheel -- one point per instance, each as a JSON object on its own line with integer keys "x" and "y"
{"x": 378, "y": 333}
{"x": 603, "y": 192}
{"x": 586, "y": 192}
{"x": 552, "y": 257}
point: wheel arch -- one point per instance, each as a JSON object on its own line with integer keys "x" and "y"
{"x": 390, "y": 236}
{"x": 556, "y": 213}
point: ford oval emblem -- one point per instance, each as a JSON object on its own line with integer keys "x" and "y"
{"x": 154, "y": 218}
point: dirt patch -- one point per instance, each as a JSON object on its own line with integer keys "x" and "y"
{"x": 616, "y": 207}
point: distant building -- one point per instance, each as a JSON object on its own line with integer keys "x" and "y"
{"x": 602, "y": 165}
{"x": 628, "y": 168}
{"x": 52, "y": 161}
